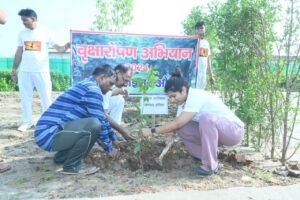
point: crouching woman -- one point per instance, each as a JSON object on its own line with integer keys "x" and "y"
{"x": 203, "y": 123}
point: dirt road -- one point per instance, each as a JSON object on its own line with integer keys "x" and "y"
{"x": 35, "y": 176}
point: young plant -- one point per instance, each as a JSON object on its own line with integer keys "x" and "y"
{"x": 144, "y": 85}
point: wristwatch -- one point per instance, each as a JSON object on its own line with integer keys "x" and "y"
{"x": 153, "y": 131}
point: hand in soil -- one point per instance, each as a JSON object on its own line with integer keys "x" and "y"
{"x": 129, "y": 137}
{"x": 114, "y": 153}
{"x": 145, "y": 132}
{"x": 119, "y": 145}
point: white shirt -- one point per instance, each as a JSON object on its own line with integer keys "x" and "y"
{"x": 106, "y": 98}
{"x": 203, "y": 102}
{"x": 35, "y": 50}
{"x": 204, "y": 53}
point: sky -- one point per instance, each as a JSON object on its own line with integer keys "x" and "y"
{"x": 161, "y": 17}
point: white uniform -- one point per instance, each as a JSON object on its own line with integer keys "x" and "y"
{"x": 204, "y": 102}
{"x": 34, "y": 70}
{"x": 204, "y": 53}
{"x": 114, "y": 105}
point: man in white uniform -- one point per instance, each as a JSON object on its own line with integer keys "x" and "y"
{"x": 33, "y": 61}
{"x": 204, "y": 61}
{"x": 113, "y": 101}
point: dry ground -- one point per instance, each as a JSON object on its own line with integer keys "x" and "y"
{"x": 35, "y": 176}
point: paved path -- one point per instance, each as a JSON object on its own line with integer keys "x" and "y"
{"x": 291, "y": 192}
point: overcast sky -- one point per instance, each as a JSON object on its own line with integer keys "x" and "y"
{"x": 59, "y": 16}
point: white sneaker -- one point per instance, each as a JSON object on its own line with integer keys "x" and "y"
{"x": 24, "y": 127}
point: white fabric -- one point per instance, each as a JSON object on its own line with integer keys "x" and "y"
{"x": 204, "y": 53}
{"x": 114, "y": 105}
{"x": 35, "y": 50}
{"x": 203, "y": 102}
{"x": 26, "y": 82}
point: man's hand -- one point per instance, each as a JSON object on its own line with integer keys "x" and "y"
{"x": 14, "y": 76}
{"x": 127, "y": 136}
{"x": 145, "y": 132}
{"x": 67, "y": 45}
{"x": 114, "y": 153}
{"x": 119, "y": 145}
{"x": 120, "y": 91}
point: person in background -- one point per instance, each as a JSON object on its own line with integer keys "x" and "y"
{"x": 76, "y": 120}
{"x": 204, "y": 61}
{"x": 3, "y": 167}
{"x": 203, "y": 122}
{"x": 113, "y": 101}
{"x": 32, "y": 59}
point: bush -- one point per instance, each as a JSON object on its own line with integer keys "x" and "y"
{"x": 59, "y": 82}
{"x": 6, "y": 84}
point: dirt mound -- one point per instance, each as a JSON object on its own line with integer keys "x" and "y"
{"x": 146, "y": 160}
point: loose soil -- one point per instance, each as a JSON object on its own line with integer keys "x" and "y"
{"x": 35, "y": 176}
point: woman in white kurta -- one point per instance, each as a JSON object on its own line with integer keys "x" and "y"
{"x": 203, "y": 122}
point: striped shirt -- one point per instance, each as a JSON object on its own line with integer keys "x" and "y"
{"x": 81, "y": 101}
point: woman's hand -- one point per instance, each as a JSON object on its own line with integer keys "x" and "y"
{"x": 145, "y": 132}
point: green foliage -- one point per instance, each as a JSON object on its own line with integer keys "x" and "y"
{"x": 152, "y": 78}
{"x": 59, "y": 82}
{"x": 6, "y": 83}
{"x": 113, "y": 15}
{"x": 251, "y": 80}
{"x": 245, "y": 37}
{"x": 144, "y": 87}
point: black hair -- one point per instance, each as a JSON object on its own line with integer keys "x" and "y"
{"x": 28, "y": 13}
{"x": 122, "y": 68}
{"x": 105, "y": 70}
{"x": 199, "y": 24}
{"x": 176, "y": 82}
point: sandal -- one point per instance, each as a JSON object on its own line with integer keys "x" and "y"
{"x": 4, "y": 167}
{"x": 204, "y": 172}
{"x": 82, "y": 171}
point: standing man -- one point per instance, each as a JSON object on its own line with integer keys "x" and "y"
{"x": 32, "y": 57}
{"x": 113, "y": 101}
{"x": 76, "y": 120}
{"x": 204, "y": 61}
{"x": 3, "y": 167}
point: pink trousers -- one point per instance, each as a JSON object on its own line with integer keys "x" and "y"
{"x": 203, "y": 138}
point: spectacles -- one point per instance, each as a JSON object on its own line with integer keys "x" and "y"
{"x": 124, "y": 80}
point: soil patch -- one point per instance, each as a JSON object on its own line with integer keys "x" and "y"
{"x": 34, "y": 175}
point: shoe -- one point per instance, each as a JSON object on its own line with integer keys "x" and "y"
{"x": 204, "y": 172}
{"x": 4, "y": 167}
{"x": 24, "y": 127}
{"x": 82, "y": 171}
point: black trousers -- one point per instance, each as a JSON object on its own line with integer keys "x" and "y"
{"x": 74, "y": 140}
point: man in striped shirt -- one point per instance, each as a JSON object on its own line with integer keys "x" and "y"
{"x": 76, "y": 120}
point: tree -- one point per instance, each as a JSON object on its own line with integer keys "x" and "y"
{"x": 258, "y": 85}
{"x": 289, "y": 45}
{"x": 113, "y": 15}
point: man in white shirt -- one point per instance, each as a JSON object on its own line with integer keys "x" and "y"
{"x": 204, "y": 61}
{"x": 113, "y": 101}
{"x": 33, "y": 61}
